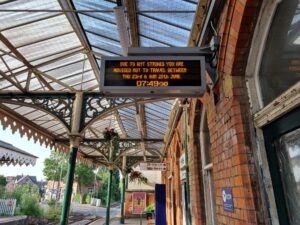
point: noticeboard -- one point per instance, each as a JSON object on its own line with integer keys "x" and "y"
{"x": 138, "y": 202}
{"x": 171, "y": 76}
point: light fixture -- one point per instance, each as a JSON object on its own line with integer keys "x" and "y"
{"x": 122, "y": 28}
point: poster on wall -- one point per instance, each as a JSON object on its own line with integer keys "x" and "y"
{"x": 138, "y": 202}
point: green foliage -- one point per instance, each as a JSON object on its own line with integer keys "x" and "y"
{"x": 27, "y": 197}
{"x": 2, "y": 192}
{"x": 53, "y": 165}
{"x": 21, "y": 190}
{"x": 76, "y": 198}
{"x": 87, "y": 198}
{"x": 30, "y": 205}
{"x": 51, "y": 202}
{"x": 84, "y": 174}
{"x": 53, "y": 213}
{"x": 102, "y": 192}
{"x": 2, "y": 180}
{"x": 150, "y": 208}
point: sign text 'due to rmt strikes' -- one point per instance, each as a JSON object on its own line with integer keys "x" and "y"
{"x": 171, "y": 76}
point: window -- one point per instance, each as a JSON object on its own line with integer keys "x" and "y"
{"x": 282, "y": 142}
{"x": 209, "y": 194}
{"x": 280, "y": 66}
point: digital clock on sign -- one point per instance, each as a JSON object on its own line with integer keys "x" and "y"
{"x": 152, "y": 83}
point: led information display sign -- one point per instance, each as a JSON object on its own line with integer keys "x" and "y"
{"x": 153, "y": 76}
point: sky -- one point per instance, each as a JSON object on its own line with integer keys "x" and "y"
{"x": 29, "y": 146}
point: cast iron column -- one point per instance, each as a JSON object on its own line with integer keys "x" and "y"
{"x": 108, "y": 197}
{"x": 122, "y": 220}
{"x": 74, "y": 144}
{"x": 189, "y": 217}
{"x": 123, "y": 190}
{"x": 69, "y": 185}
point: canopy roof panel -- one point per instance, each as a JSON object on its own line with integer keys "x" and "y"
{"x": 54, "y": 47}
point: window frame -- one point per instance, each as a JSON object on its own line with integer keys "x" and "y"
{"x": 266, "y": 114}
{"x": 207, "y": 170}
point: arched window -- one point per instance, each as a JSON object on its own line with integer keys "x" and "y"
{"x": 280, "y": 66}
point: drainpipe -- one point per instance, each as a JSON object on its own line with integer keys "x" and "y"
{"x": 75, "y": 140}
{"x": 189, "y": 216}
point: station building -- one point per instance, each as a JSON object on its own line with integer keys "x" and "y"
{"x": 232, "y": 155}
{"x": 243, "y": 136}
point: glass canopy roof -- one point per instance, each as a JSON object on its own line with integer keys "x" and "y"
{"x": 56, "y": 46}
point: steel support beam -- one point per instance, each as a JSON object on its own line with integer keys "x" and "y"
{"x": 20, "y": 57}
{"x": 123, "y": 130}
{"x": 132, "y": 17}
{"x": 141, "y": 124}
{"x": 94, "y": 11}
{"x": 67, "y": 7}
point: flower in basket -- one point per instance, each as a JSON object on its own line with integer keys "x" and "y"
{"x": 137, "y": 176}
{"x": 109, "y": 134}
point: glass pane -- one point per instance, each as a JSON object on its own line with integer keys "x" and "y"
{"x": 280, "y": 68}
{"x": 288, "y": 153}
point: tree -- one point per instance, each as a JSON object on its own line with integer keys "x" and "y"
{"x": 2, "y": 185}
{"x": 84, "y": 176}
{"x": 2, "y": 180}
{"x": 102, "y": 193}
{"x": 53, "y": 165}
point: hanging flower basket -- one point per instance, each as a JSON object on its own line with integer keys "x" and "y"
{"x": 109, "y": 134}
{"x": 113, "y": 139}
{"x": 138, "y": 177}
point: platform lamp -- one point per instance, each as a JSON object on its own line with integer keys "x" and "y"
{"x": 122, "y": 26}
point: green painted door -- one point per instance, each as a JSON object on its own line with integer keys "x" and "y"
{"x": 282, "y": 141}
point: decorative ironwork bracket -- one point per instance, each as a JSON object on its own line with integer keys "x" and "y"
{"x": 94, "y": 105}
{"x": 59, "y": 105}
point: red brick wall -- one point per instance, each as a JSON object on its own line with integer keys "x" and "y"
{"x": 228, "y": 121}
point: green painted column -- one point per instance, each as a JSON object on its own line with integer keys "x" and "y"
{"x": 108, "y": 197}
{"x": 123, "y": 200}
{"x": 189, "y": 216}
{"x": 69, "y": 187}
